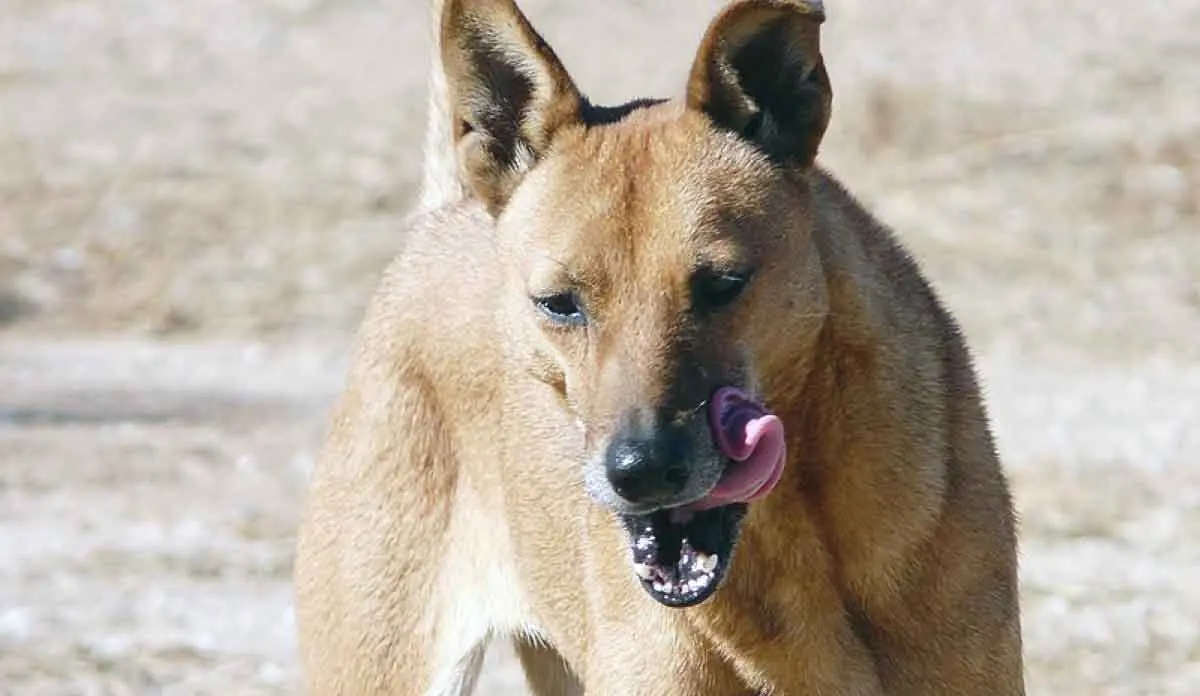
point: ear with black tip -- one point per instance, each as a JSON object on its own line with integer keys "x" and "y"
{"x": 759, "y": 73}
{"x": 508, "y": 94}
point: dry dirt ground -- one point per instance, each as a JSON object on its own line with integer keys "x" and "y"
{"x": 196, "y": 199}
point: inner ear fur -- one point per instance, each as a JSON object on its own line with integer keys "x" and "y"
{"x": 509, "y": 94}
{"x": 759, "y": 73}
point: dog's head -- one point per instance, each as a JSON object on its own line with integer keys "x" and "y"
{"x": 663, "y": 276}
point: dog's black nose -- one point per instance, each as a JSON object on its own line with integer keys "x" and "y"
{"x": 648, "y": 470}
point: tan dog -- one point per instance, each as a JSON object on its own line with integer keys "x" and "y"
{"x": 651, "y": 395}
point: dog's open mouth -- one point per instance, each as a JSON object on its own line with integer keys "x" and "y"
{"x": 681, "y": 557}
{"x": 681, "y": 554}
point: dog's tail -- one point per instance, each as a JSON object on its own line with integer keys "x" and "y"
{"x": 440, "y": 183}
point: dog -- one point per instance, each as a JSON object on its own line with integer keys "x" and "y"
{"x": 649, "y": 394}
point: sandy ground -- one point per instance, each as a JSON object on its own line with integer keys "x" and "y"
{"x": 196, "y": 199}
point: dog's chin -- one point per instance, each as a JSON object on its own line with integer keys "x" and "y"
{"x": 681, "y": 557}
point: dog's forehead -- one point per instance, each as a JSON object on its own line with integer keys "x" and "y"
{"x": 660, "y": 183}
{"x": 663, "y": 156}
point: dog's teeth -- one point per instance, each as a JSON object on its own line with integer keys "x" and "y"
{"x": 643, "y": 571}
{"x": 703, "y": 581}
{"x": 643, "y": 543}
{"x": 658, "y": 586}
{"x": 705, "y": 562}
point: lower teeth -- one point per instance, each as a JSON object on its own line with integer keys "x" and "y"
{"x": 664, "y": 559}
{"x": 671, "y": 580}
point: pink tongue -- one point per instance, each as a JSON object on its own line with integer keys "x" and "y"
{"x": 753, "y": 439}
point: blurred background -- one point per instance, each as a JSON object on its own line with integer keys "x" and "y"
{"x": 197, "y": 197}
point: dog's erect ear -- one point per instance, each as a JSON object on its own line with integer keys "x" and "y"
{"x": 509, "y": 93}
{"x": 759, "y": 73}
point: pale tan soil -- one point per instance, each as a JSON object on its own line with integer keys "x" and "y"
{"x": 196, "y": 199}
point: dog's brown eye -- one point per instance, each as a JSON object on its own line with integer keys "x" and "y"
{"x": 712, "y": 291}
{"x": 562, "y": 308}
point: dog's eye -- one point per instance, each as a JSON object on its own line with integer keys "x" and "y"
{"x": 561, "y": 307}
{"x": 716, "y": 290}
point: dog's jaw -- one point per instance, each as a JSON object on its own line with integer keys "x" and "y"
{"x": 681, "y": 558}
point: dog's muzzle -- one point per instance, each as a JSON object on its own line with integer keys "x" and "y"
{"x": 680, "y": 552}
